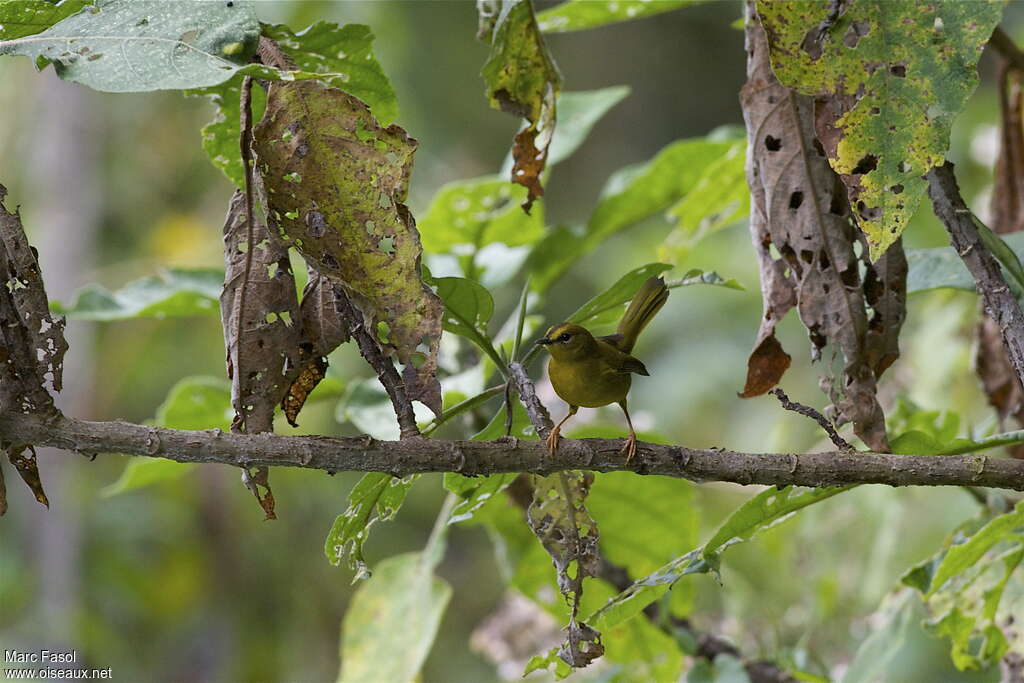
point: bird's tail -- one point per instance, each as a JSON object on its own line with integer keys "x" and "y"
{"x": 645, "y": 304}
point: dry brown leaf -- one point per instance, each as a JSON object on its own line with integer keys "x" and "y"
{"x": 299, "y": 391}
{"x": 807, "y": 248}
{"x": 32, "y": 341}
{"x": 28, "y": 468}
{"x": 3, "y": 493}
{"x": 253, "y": 482}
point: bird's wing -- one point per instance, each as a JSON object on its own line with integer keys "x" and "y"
{"x": 616, "y": 359}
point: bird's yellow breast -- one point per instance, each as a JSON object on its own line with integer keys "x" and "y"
{"x": 589, "y": 382}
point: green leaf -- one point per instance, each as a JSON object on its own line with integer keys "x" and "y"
{"x": 474, "y": 492}
{"x": 631, "y": 195}
{"x": 478, "y": 212}
{"x": 764, "y": 511}
{"x": 961, "y": 557}
{"x": 908, "y": 68}
{"x": 19, "y": 18}
{"x": 193, "y": 403}
{"x": 576, "y": 15}
{"x": 619, "y": 294}
{"x": 941, "y": 267}
{"x": 933, "y": 432}
{"x": 393, "y": 618}
{"x": 1003, "y": 253}
{"x": 174, "y": 292}
{"x": 881, "y": 652}
{"x": 720, "y": 198}
{"x": 468, "y": 307}
{"x": 346, "y": 54}
{"x": 129, "y": 46}
{"x": 522, "y": 79}
{"x": 376, "y": 497}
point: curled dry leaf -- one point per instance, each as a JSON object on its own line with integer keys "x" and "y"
{"x": 336, "y": 183}
{"x": 32, "y": 341}
{"x": 28, "y": 468}
{"x": 522, "y": 79}
{"x": 806, "y": 246}
{"x": 997, "y": 375}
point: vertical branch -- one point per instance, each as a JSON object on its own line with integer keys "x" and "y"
{"x": 999, "y": 301}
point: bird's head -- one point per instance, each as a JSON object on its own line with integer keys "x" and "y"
{"x": 567, "y": 340}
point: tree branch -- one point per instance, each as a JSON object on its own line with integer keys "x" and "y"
{"x": 999, "y": 301}
{"x": 1004, "y": 45}
{"x": 417, "y": 455}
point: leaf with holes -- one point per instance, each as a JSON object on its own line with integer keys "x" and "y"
{"x": 576, "y": 15}
{"x": 131, "y": 46}
{"x": 897, "y": 74}
{"x": 336, "y": 183}
{"x": 375, "y": 497}
{"x": 343, "y": 54}
{"x": 522, "y": 79}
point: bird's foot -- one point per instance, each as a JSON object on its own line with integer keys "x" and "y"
{"x": 552, "y": 441}
{"x": 629, "y": 449}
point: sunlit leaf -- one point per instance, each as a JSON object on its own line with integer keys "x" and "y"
{"x": 174, "y": 292}
{"x": 142, "y": 45}
{"x": 576, "y": 15}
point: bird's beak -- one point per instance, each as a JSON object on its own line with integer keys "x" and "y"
{"x": 544, "y": 341}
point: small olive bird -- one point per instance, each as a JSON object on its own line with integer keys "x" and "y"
{"x": 593, "y": 371}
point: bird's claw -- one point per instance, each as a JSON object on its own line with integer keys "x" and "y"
{"x": 629, "y": 449}
{"x": 552, "y": 441}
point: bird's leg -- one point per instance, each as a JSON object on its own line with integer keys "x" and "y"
{"x": 552, "y": 440}
{"x": 629, "y": 449}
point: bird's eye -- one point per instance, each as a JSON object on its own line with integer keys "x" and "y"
{"x": 564, "y": 337}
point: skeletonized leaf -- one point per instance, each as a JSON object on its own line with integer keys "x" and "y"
{"x": 559, "y": 518}
{"x": 522, "y": 79}
{"x": 897, "y": 74}
{"x": 174, "y": 292}
{"x": 336, "y": 183}
{"x": 576, "y": 15}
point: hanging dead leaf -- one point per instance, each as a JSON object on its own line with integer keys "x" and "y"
{"x": 32, "y": 341}
{"x": 811, "y": 254}
{"x": 270, "y": 334}
{"x": 522, "y": 79}
{"x": 28, "y": 468}
{"x": 335, "y": 184}
{"x": 3, "y": 493}
{"x": 253, "y": 482}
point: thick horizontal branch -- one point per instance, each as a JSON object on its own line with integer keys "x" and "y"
{"x": 417, "y": 455}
